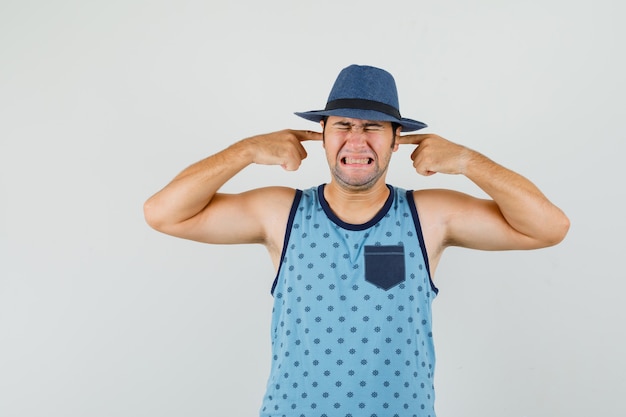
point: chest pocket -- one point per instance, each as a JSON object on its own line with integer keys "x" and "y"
{"x": 384, "y": 265}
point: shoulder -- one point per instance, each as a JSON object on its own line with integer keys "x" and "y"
{"x": 268, "y": 194}
{"x": 271, "y": 207}
{"x": 440, "y": 209}
{"x": 442, "y": 205}
{"x": 252, "y": 216}
{"x": 266, "y": 202}
{"x": 440, "y": 199}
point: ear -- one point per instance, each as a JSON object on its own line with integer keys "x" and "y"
{"x": 323, "y": 133}
{"x": 396, "y": 144}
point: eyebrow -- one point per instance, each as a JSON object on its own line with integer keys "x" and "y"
{"x": 366, "y": 124}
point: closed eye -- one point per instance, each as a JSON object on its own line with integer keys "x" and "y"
{"x": 367, "y": 127}
{"x": 342, "y": 126}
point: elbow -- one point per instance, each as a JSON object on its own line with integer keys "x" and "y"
{"x": 564, "y": 228}
{"x": 558, "y": 231}
{"x": 151, "y": 215}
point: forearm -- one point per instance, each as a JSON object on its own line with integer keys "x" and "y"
{"x": 524, "y": 207}
{"x": 192, "y": 189}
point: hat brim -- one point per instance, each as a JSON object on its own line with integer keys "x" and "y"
{"x": 408, "y": 125}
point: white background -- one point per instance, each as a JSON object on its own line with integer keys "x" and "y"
{"x": 102, "y": 103}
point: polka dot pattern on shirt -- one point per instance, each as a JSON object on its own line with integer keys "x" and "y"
{"x": 342, "y": 345}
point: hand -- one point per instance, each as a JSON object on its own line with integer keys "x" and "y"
{"x": 436, "y": 154}
{"x": 282, "y": 148}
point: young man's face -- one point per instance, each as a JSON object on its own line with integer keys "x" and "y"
{"x": 358, "y": 151}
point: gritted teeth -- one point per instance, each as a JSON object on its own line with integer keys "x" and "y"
{"x": 362, "y": 161}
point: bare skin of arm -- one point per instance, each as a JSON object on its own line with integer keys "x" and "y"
{"x": 519, "y": 216}
{"x": 191, "y": 207}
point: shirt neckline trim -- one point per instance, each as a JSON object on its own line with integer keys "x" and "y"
{"x": 350, "y": 226}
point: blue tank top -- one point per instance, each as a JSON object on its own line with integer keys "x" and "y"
{"x": 351, "y": 324}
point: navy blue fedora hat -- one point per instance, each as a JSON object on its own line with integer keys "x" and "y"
{"x": 364, "y": 92}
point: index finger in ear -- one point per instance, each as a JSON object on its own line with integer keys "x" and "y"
{"x": 308, "y": 135}
{"x": 414, "y": 139}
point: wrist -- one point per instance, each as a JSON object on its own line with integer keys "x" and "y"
{"x": 243, "y": 151}
{"x": 472, "y": 163}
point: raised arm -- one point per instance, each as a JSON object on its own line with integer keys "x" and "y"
{"x": 518, "y": 216}
{"x": 190, "y": 206}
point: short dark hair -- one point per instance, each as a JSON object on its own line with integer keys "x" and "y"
{"x": 394, "y": 127}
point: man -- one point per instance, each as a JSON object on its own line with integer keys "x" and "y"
{"x": 355, "y": 258}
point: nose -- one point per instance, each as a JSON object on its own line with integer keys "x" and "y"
{"x": 356, "y": 139}
{"x": 356, "y": 133}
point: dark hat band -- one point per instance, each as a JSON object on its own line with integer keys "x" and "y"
{"x": 362, "y": 104}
